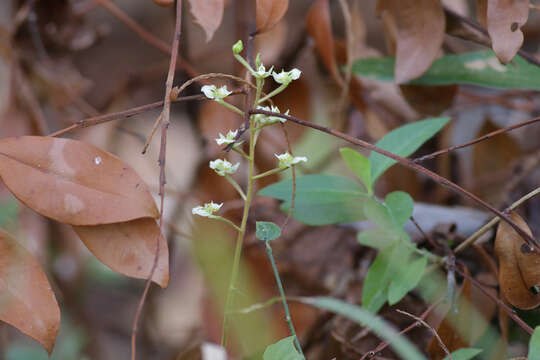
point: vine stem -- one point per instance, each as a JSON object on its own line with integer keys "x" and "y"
{"x": 410, "y": 164}
{"x": 288, "y": 317}
{"x": 162, "y": 155}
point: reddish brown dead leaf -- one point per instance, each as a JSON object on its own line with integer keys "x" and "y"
{"x": 518, "y": 271}
{"x": 420, "y": 29}
{"x": 481, "y": 12}
{"x": 129, "y": 248}
{"x": 429, "y": 100}
{"x": 73, "y": 182}
{"x": 27, "y": 301}
{"x": 269, "y": 13}
{"x": 208, "y": 14}
{"x": 319, "y": 27}
{"x": 504, "y": 21}
{"x": 165, "y": 3}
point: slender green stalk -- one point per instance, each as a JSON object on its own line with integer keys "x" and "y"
{"x": 273, "y": 93}
{"x": 241, "y": 152}
{"x": 269, "y": 172}
{"x": 236, "y": 186}
{"x": 242, "y": 61}
{"x": 230, "y": 107}
{"x": 225, "y": 220}
{"x": 283, "y": 298}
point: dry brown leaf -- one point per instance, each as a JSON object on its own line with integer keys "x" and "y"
{"x": 519, "y": 269}
{"x": 429, "y": 100}
{"x": 504, "y": 21}
{"x": 73, "y": 182}
{"x": 481, "y": 12}
{"x": 129, "y": 248}
{"x": 269, "y": 13}
{"x": 27, "y": 301}
{"x": 165, "y": 3}
{"x": 319, "y": 27}
{"x": 208, "y": 14}
{"x": 420, "y": 30}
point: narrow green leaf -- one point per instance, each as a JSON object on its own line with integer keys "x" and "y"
{"x": 321, "y": 199}
{"x": 379, "y": 213}
{"x": 282, "y": 350}
{"x": 477, "y": 68}
{"x": 376, "y": 238}
{"x": 403, "y": 141}
{"x": 401, "y": 207}
{"x": 403, "y": 347}
{"x": 359, "y": 164}
{"x": 406, "y": 280}
{"x": 267, "y": 231}
{"x": 466, "y": 354}
{"x": 534, "y": 345}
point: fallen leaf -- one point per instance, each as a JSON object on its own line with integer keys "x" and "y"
{"x": 165, "y": 3}
{"x": 129, "y": 248}
{"x": 269, "y": 13}
{"x": 519, "y": 269}
{"x": 481, "y": 12}
{"x": 27, "y": 301}
{"x": 429, "y": 100}
{"x": 420, "y": 30}
{"x": 504, "y": 21}
{"x": 208, "y": 14}
{"x": 73, "y": 182}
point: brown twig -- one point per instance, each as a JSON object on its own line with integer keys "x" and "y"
{"x": 477, "y": 140}
{"x": 424, "y": 234}
{"x": 430, "y": 328}
{"x": 498, "y": 301}
{"x": 162, "y": 156}
{"x": 410, "y": 164}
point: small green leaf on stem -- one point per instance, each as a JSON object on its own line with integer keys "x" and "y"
{"x": 267, "y": 231}
{"x": 466, "y": 354}
{"x": 282, "y": 350}
{"x": 359, "y": 164}
{"x": 534, "y": 344}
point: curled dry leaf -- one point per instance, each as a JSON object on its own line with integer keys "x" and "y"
{"x": 269, "y": 13}
{"x": 27, "y": 301}
{"x": 420, "y": 30}
{"x": 519, "y": 268}
{"x": 73, "y": 182}
{"x": 129, "y": 248}
{"x": 208, "y": 13}
{"x": 504, "y": 21}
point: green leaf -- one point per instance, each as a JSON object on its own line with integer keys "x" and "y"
{"x": 387, "y": 264}
{"x": 403, "y": 347}
{"x": 477, "y": 68}
{"x": 376, "y": 238}
{"x": 359, "y": 164}
{"x": 321, "y": 199}
{"x": 9, "y": 208}
{"x": 282, "y": 350}
{"x": 267, "y": 231}
{"x": 406, "y": 280}
{"x": 534, "y": 344}
{"x": 379, "y": 213}
{"x": 466, "y": 354}
{"x": 401, "y": 207}
{"x": 403, "y": 141}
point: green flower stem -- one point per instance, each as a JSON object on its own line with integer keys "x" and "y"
{"x": 230, "y": 107}
{"x": 242, "y": 61}
{"x": 227, "y": 221}
{"x": 273, "y": 93}
{"x": 236, "y": 186}
{"x": 269, "y": 172}
{"x": 241, "y": 233}
{"x": 283, "y": 298}
{"x": 241, "y": 152}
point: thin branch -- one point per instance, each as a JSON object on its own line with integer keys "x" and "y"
{"x": 477, "y": 140}
{"x": 162, "y": 157}
{"x": 471, "y": 239}
{"x": 425, "y": 324}
{"x": 410, "y": 164}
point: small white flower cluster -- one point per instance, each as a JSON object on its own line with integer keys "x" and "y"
{"x": 222, "y": 167}
{"x": 261, "y": 72}
{"x": 214, "y": 93}
{"x": 285, "y": 77}
{"x": 228, "y": 139}
{"x": 206, "y": 210}
{"x": 262, "y": 119}
{"x": 286, "y": 160}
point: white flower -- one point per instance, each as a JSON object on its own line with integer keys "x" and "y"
{"x": 286, "y": 160}
{"x": 262, "y": 119}
{"x": 229, "y": 139}
{"x": 261, "y": 72}
{"x": 211, "y": 92}
{"x": 223, "y": 167}
{"x": 207, "y": 209}
{"x": 285, "y": 77}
